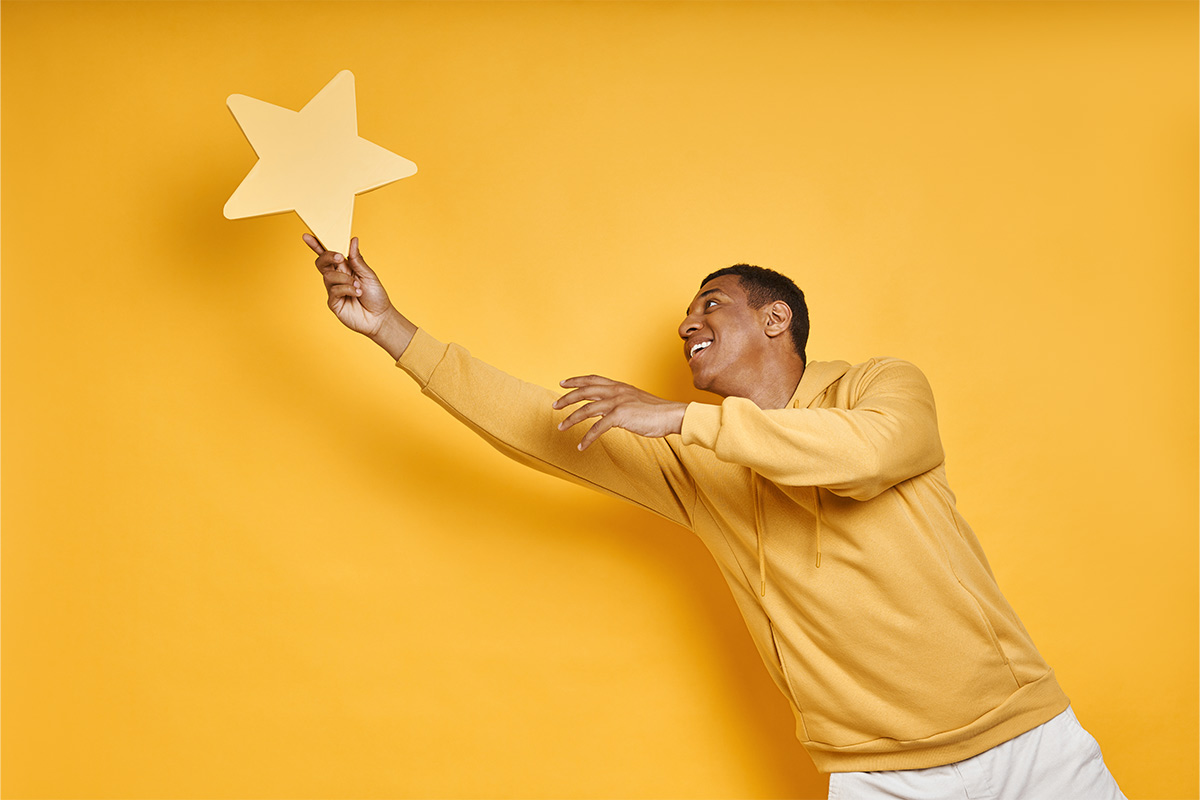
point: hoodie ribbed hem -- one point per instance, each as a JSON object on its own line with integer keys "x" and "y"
{"x": 1032, "y": 705}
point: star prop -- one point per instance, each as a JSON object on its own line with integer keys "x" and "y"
{"x": 311, "y": 161}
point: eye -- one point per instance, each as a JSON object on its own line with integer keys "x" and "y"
{"x": 709, "y": 303}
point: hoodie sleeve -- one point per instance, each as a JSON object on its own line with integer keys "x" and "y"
{"x": 887, "y": 434}
{"x": 517, "y": 419}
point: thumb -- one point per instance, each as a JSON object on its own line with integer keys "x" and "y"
{"x": 355, "y": 259}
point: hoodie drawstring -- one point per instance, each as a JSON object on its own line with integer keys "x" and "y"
{"x": 817, "y": 513}
{"x": 758, "y": 531}
{"x": 758, "y": 537}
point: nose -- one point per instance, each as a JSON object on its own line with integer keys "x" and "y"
{"x": 690, "y": 325}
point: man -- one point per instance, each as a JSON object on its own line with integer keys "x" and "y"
{"x": 820, "y": 489}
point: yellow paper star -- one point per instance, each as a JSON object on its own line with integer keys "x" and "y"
{"x": 311, "y": 161}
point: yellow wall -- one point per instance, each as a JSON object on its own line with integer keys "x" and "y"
{"x": 243, "y": 557}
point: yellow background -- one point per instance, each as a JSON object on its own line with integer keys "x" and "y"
{"x": 243, "y": 557}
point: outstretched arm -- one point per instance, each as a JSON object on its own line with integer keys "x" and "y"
{"x": 518, "y": 418}
{"x": 358, "y": 299}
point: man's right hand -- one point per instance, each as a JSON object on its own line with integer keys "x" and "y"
{"x": 358, "y": 299}
{"x": 355, "y": 294}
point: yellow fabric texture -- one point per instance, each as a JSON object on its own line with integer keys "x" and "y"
{"x": 896, "y": 649}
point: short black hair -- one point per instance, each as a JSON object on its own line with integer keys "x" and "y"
{"x": 764, "y": 286}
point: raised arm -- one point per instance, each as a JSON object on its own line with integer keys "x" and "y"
{"x": 520, "y": 419}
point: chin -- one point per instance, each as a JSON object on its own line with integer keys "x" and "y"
{"x": 705, "y": 384}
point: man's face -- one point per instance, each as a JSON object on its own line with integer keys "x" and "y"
{"x": 723, "y": 338}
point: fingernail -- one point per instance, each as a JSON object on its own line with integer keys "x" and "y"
{"x": 337, "y": 257}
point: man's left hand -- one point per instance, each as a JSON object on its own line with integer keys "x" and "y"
{"x": 618, "y": 405}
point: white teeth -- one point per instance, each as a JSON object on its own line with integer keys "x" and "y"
{"x": 696, "y": 348}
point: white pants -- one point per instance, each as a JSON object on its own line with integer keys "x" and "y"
{"x": 1055, "y": 761}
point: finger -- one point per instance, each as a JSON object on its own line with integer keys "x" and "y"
{"x": 344, "y": 290}
{"x": 313, "y": 244}
{"x": 334, "y": 278}
{"x": 577, "y": 416}
{"x": 327, "y": 260}
{"x": 586, "y": 380}
{"x": 594, "y": 432}
{"x": 581, "y": 394}
{"x": 331, "y": 262}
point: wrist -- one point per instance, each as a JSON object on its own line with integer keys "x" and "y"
{"x": 394, "y": 333}
{"x": 677, "y": 414}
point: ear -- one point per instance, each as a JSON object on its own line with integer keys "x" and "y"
{"x": 777, "y": 319}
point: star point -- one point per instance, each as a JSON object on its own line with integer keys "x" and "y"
{"x": 311, "y": 161}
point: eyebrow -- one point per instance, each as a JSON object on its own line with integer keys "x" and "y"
{"x": 701, "y": 296}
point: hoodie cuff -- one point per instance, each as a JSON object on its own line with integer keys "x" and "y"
{"x": 701, "y": 422}
{"x": 422, "y": 356}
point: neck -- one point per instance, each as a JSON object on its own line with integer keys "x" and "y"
{"x": 777, "y": 390}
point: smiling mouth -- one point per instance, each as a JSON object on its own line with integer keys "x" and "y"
{"x": 698, "y": 348}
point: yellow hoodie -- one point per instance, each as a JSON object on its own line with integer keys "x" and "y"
{"x": 868, "y": 595}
